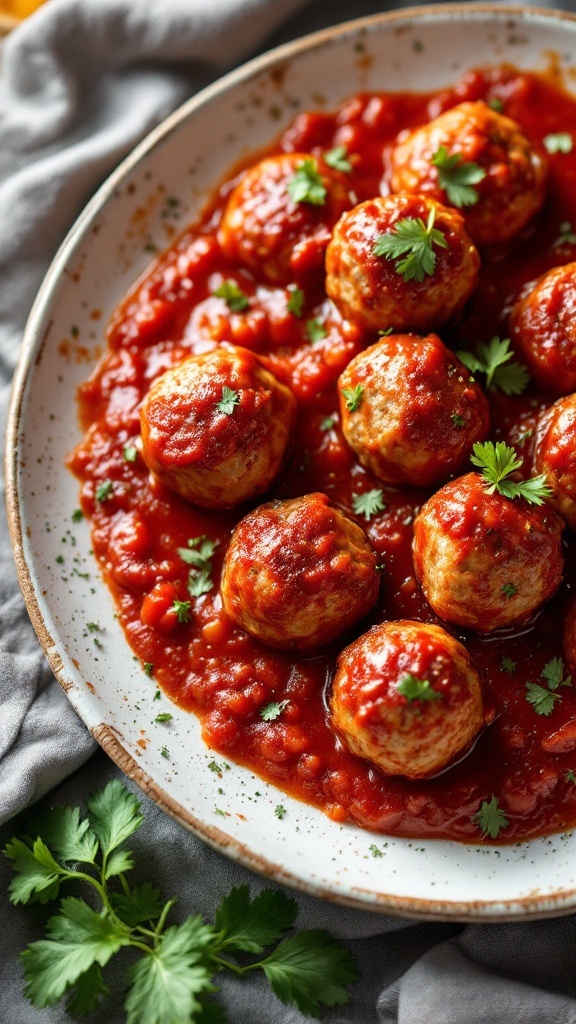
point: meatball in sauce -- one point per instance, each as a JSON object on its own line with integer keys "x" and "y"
{"x": 555, "y": 456}
{"x": 543, "y": 328}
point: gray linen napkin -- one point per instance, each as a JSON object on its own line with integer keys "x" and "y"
{"x": 72, "y": 104}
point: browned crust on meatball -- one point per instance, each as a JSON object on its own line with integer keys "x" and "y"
{"x": 419, "y": 412}
{"x": 483, "y": 560}
{"x": 415, "y": 738}
{"x": 543, "y": 328}
{"x": 555, "y": 456}
{"x": 298, "y": 573}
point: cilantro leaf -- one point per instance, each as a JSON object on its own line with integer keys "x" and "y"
{"x": 553, "y": 673}
{"x": 182, "y": 609}
{"x": 413, "y": 688}
{"x": 87, "y": 992}
{"x": 270, "y": 712}
{"x": 77, "y": 938}
{"x": 352, "y": 397}
{"x": 508, "y": 666}
{"x": 308, "y": 969}
{"x": 114, "y": 814}
{"x": 279, "y": 811}
{"x": 508, "y": 590}
{"x": 68, "y": 836}
{"x": 558, "y": 142}
{"x": 414, "y": 240}
{"x": 118, "y": 863}
{"x": 230, "y": 399}
{"x": 295, "y": 301}
{"x": 250, "y": 925}
{"x": 457, "y": 176}
{"x": 497, "y": 462}
{"x": 142, "y": 903}
{"x": 130, "y": 453}
{"x": 200, "y": 583}
{"x": 306, "y": 185}
{"x": 541, "y": 699}
{"x": 369, "y": 503}
{"x": 337, "y": 158}
{"x": 166, "y": 982}
{"x": 199, "y": 554}
{"x": 38, "y": 875}
{"x": 315, "y": 330}
{"x": 490, "y": 818}
{"x": 496, "y": 360}
{"x": 233, "y": 296}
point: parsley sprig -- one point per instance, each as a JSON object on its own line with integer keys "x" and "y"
{"x": 491, "y": 818}
{"x": 306, "y": 185}
{"x": 413, "y": 688}
{"x": 199, "y": 554}
{"x": 543, "y": 698}
{"x": 415, "y": 241}
{"x": 496, "y": 360}
{"x": 497, "y": 462}
{"x": 369, "y": 503}
{"x": 457, "y": 177}
{"x": 172, "y": 981}
{"x": 230, "y": 399}
{"x": 233, "y": 296}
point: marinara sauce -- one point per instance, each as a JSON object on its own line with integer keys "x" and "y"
{"x": 200, "y": 659}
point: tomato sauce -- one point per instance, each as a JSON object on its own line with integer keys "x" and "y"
{"x": 200, "y": 659}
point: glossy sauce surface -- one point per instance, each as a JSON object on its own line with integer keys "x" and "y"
{"x": 215, "y": 670}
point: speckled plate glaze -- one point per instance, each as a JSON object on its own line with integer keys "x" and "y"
{"x": 146, "y": 202}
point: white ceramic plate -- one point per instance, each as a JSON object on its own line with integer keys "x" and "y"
{"x": 418, "y": 49}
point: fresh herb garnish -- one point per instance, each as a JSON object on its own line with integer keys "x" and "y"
{"x": 495, "y": 103}
{"x": 270, "y": 712}
{"x": 327, "y": 423}
{"x": 558, "y": 142}
{"x": 315, "y": 330}
{"x": 369, "y": 503}
{"x": 508, "y": 666}
{"x": 182, "y": 609}
{"x": 497, "y": 462}
{"x": 199, "y": 555}
{"x": 413, "y": 688}
{"x": 570, "y": 775}
{"x": 165, "y": 753}
{"x": 306, "y": 185}
{"x": 496, "y": 360}
{"x": 337, "y": 158}
{"x": 553, "y": 673}
{"x": 104, "y": 490}
{"x": 375, "y": 850}
{"x": 77, "y": 515}
{"x": 414, "y": 240}
{"x": 130, "y": 453}
{"x": 508, "y": 590}
{"x": 543, "y": 698}
{"x": 170, "y": 981}
{"x": 457, "y": 420}
{"x": 491, "y": 818}
{"x": 233, "y": 296}
{"x": 295, "y": 301}
{"x": 352, "y": 397}
{"x": 230, "y": 399}
{"x": 457, "y": 177}
{"x": 279, "y": 811}
{"x": 566, "y": 235}
{"x": 164, "y": 716}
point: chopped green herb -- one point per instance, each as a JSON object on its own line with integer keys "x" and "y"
{"x": 148, "y": 668}
{"x": 566, "y": 234}
{"x": 230, "y": 399}
{"x": 104, "y": 490}
{"x": 457, "y": 419}
{"x": 558, "y": 142}
{"x": 233, "y": 296}
{"x": 495, "y": 103}
{"x": 337, "y": 158}
{"x": 497, "y": 462}
{"x": 182, "y": 609}
{"x": 77, "y": 515}
{"x": 508, "y": 665}
{"x": 375, "y": 850}
{"x": 369, "y": 503}
{"x": 306, "y": 185}
{"x": 570, "y": 776}
{"x": 295, "y": 301}
{"x": 270, "y": 712}
{"x": 412, "y": 239}
{"x": 509, "y": 589}
{"x": 130, "y": 453}
{"x": 491, "y": 818}
{"x": 315, "y": 330}
{"x": 328, "y": 423}
{"x": 496, "y": 360}
{"x": 279, "y": 811}
{"x": 165, "y": 753}
{"x": 353, "y": 397}
{"x": 413, "y": 688}
{"x": 457, "y": 177}
{"x": 164, "y": 716}
{"x": 59, "y": 559}
{"x": 386, "y": 333}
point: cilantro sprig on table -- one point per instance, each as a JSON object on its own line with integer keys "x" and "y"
{"x": 171, "y": 982}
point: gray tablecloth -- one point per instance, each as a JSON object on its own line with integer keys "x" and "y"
{"x": 82, "y": 81}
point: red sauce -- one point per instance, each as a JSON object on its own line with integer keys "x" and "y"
{"x": 213, "y": 669}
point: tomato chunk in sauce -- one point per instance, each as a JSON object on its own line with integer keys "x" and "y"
{"x": 199, "y": 296}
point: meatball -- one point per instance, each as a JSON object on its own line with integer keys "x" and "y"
{"x": 375, "y": 290}
{"x": 217, "y": 427}
{"x": 407, "y": 697}
{"x": 269, "y": 229}
{"x": 543, "y": 328}
{"x": 513, "y": 187}
{"x": 483, "y": 560}
{"x": 555, "y": 455}
{"x": 298, "y": 573}
{"x": 410, "y": 410}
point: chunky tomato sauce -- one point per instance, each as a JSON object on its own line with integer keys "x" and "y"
{"x": 213, "y": 669}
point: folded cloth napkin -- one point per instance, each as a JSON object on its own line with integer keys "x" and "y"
{"x": 82, "y": 81}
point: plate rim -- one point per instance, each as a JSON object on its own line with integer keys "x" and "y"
{"x": 487, "y": 911}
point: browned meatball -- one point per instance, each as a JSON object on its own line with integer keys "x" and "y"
{"x": 267, "y": 228}
{"x": 555, "y": 455}
{"x": 543, "y": 327}
{"x": 216, "y": 428}
{"x": 514, "y": 183}
{"x": 375, "y": 290}
{"x": 410, "y": 410}
{"x": 407, "y": 697}
{"x": 484, "y": 560}
{"x": 298, "y": 573}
